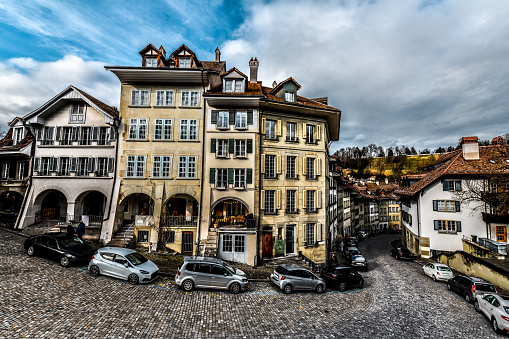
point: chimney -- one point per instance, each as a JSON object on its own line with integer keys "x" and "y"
{"x": 470, "y": 147}
{"x": 218, "y": 54}
{"x": 253, "y": 67}
{"x": 498, "y": 141}
{"x": 274, "y": 84}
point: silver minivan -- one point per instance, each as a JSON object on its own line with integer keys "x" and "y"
{"x": 289, "y": 277}
{"x": 207, "y": 272}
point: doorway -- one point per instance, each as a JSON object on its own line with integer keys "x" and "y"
{"x": 187, "y": 243}
{"x": 267, "y": 244}
{"x": 501, "y": 234}
{"x": 290, "y": 235}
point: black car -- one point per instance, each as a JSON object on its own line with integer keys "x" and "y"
{"x": 401, "y": 253}
{"x": 342, "y": 277}
{"x": 469, "y": 287}
{"x": 350, "y": 242}
{"x": 59, "y": 246}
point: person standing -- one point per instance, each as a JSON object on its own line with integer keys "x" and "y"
{"x": 81, "y": 229}
{"x": 70, "y": 230}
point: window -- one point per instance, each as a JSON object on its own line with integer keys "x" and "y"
{"x": 310, "y": 201}
{"x": 240, "y": 148}
{"x": 222, "y": 120}
{"x": 77, "y": 113}
{"x": 66, "y": 136}
{"x": 227, "y": 243}
{"x": 64, "y": 166}
{"x": 139, "y": 97}
{"x": 82, "y": 167}
{"x": 290, "y": 167}
{"x": 269, "y": 201}
{"x": 86, "y": 136}
{"x": 169, "y": 237}
{"x": 270, "y": 129}
{"x": 240, "y": 120}
{"x": 240, "y": 178}
{"x": 452, "y": 185}
{"x": 239, "y": 243}
{"x": 104, "y": 136}
{"x": 151, "y": 62}
{"x": 184, "y": 62}
{"x": 164, "y": 98}
{"x": 290, "y": 201}
{"x": 188, "y": 129}
{"x": 234, "y": 85}
{"x": 270, "y": 166}
{"x": 291, "y": 131}
{"x": 22, "y": 166}
{"x": 221, "y": 178}
{"x": 135, "y": 166}
{"x": 310, "y": 234}
{"x": 162, "y": 130}
{"x": 222, "y": 148}
{"x": 48, "y": 135}
{"x": 161, "y": 166}
{"x": 447, "y": 226}
{"x": 142, "y": 236}
{"x": 310, "y": 168}
{"x": 446, "y": 206}
{"x": 45, "y": 166}
{"x": 102, "y": 167}
{"x": 17, "y": 135}
{"x": 6, "y": 169}
{"x": 189, "y": 98}
{"x": 310, "y": 134}
{"x": 187, "y": 167}
{"x": 290, "y": 96}
{"x": 137, "y": 129}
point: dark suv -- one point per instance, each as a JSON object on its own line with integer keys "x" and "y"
{"x": 342, "y": 277}
{"x": 469, "y": 287}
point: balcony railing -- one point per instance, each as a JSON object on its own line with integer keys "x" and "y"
{"x": 495, "y": 218}
{"x": 179, "y": 221}
{"x": 93, "y": 220}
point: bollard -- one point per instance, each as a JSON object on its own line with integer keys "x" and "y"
{"x": 150, "y": 247}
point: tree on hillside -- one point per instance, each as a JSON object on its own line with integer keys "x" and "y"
{"x": 439, "y": 150}
{"x": 390, "y": 152}
{"x": 413, "y": 151}
{"x": 381, "y": 152}
{"x": 425, "y": 151}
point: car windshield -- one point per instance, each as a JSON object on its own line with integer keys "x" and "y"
{"x": 443, "y": 268}
{"x": 355, "y": 252}
{"x": 136, "y": 258}
{"x": 357, "y": 257}
{"x": 70, "y": 242}
{"x": 229, "y": 268}
{"x": 485, "y": 288}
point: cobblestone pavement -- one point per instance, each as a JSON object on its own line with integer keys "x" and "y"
{"x": 40, "y": 299}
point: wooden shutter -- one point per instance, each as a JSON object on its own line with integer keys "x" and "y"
{"x": 302, "y": 229}
{"x": 262, "y": 199}
{"x": 213, "y": 145}
{"x": 318, "y": 232}
{"x": 435, "y": 224}
{"x": 458, "y": 226}
{"x": 40, "y": 133}
{"x": 95, "y": 133}
{"x": 278, "y": 199}
{"x": 91, "y": 165}
{"x": 231, "y": 146}
{"x": 446, "y": 185}
{"x": 212, "y": 178}
{"x": 59, "y": 133}
{"x": 304, "y": 131}
{"x": 54, "y": 164}
{"x": 262, "y": 127}
{"x": 231, "y": 116}
{"x": 458, "y": 204}
{"x": 296, "y": 200}
{"x": 304, "y": 163}
{"x": 457, "y": 185}
{"x": 318, "y": 166}
{"x": 318, "y": 199}
{"x": 249, "y": 147}
{"x": 318, "y": 132}
{"x": 230, "y": 175}
{"x": 435, "y": 205}
{"x": 74, "y": 164}
{"x": 249, "y": 175}
{"x": 249, "y": 116}
{"x": 262, "y": 165}
{"x": 278, "y": 128}
{"x": 37, "y": 162}
{"x": 304, "y": 199}
{"x": 278, "y": 164}
{"x": 111, "y": 165}
{"x": 113, "y": 134}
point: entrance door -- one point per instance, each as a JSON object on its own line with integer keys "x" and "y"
{"x": 501, "y": 234}
{"x": 267, "y": 244}
{"x": 187, "y": 243}
{"x": 290, "y": 239}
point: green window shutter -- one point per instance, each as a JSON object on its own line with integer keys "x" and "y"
{"x": 457, "y": 185}
{"x": 457, "y": 203}
{"x": 249, "y": 116}
{"x": 458, "y": 226}
{"x": 231, "y": 116}
{"x": 231, "y": 146}
{"x": 213, "y": 145}
{"x": 212, "y": 175}
{"x": 446, "y": 185}
{"x": 249, "y": 145}
{"x": 213, "y": 116}
{"x": 435, "y": 205}
{"x": 435, "y": 225}
{"x": 249, "y": 175}
{"x": 230, "y": 175}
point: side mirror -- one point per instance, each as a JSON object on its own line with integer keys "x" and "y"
{"x": 126, "y": 265}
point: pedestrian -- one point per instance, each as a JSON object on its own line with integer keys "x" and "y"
{"x": 334, "y": 260}
{"x": 81, "y": 229}
{"x": 70, "y": 230}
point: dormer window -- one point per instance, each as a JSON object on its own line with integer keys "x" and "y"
{"x": 77, "y": 114}
{"x": 17, "y": 135}
{"x": 184, "y": 62}
{"x": 234, "y": 85}
{"x": 290, "y": 96}
{"x": 151, "y": 62}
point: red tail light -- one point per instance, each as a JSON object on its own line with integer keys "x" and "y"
{"x": 334, "y": 276}
{"x": 178, "y": 273}
{"x": 438, "y": 273}
{"x": 92, "y": 257}
{"x": 283, "y": 277}
{"x": 505, "y": 318}
{"x": 473, "y": 289}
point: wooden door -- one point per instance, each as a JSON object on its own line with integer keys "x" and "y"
{"x": 501, "y": 234}
{"x": 187, "y": 243}
{"x": 267, "y": 244}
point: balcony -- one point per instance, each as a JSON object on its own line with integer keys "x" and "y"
{"x": 495, "y": 218}
{"x": 179, "y": 221}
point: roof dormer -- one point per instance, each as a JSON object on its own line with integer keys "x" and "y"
{"x": 183, "y": 57}
{"x": 234, "y": 81}
{"x": 153, "y": 57}
{"x": 286, "y": 90}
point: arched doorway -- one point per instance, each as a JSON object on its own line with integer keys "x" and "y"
{"x": 137, "y": 204}
{"x": 90, "y": 208}
{"x": 179, "y": 220}
{"x": 229, "y": 211}
{"x": 53, "y": 204}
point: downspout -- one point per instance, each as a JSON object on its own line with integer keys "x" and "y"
{"x": 259, "y": 183}
{"x": 114, "y": 174}
{"x": 30, "y": 179}
{"x": 198, "y": 235}
{"x": 419, "y": 221}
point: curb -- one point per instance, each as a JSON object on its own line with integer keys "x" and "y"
{"x": 14, "y": 232}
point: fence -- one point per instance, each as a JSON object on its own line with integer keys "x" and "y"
{"x": 181, "y": 221}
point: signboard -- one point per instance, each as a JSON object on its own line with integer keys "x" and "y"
{"x": 280, "y": 248}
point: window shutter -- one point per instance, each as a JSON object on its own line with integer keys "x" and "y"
{"x": 231, "y": 146}
{"x": 302, "y": 228}
{"x": 318, "y": 199}
{"x": 262, "y": 127}
{"x": 249, "y": 175}
{"x": 74, "y": 164}
{"x": 90, "y": 165}
{"x": 249, "y": 143}
{"x": 37, "y": 162}
{"x": 304, "y": 199}
{"x": 458, "y": 226}
{"x": 79, "y": 133}
{"x": 304, "y": 163}
{"x": 111, "y": 165}
{"x": 133, "y": 97}
{"x": 435, "y": 205}
{"x": 59, "y": 133}
{"x": 95, "y": 132}
{"x": 231, "y": 116}
{"x": 230, "y": 175}
{"x": 74, "y": 136}
{"x": 113, "y": 134}
{"x": 278, "y": 164}
{"x": 278, "y": 128}
{"x": 213, "y": 116}
{"x": 213, "y": 145}
{"x": 446, "y": 185}
{"x": 262, "y": 165}
{"x": 458, "y": 206}
{"x": 54, "y": 164}
{"x": 40, "y": 133}
{"x": 318, "y": 167}
{"x": 249, "y": 116}
{"x": 318, "y": 132}
{"x": 436, "y": 224}
{"x": 304, "y": 131}
{"x": 457, "y": 185}
{"x": 212, "y": 178}
{"x": 278, "y": 199}
{"x": 318, "y": 232}
{"x": 296, "y": 199}
{"x": 262, "y": 199}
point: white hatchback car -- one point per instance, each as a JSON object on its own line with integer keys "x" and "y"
{"x": 123, "y": 263}
{"x": 496, "y": 308}
{"x": 437, "y": 271}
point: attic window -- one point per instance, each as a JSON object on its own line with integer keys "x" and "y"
{"x": 151, "y": 62}
{"x": 234, "y": 85}
{"x": 18, "y": 135}
{"x": 184, "y": 62}
{"x": 77, "y": 113}
{"x": 290, "y": 96}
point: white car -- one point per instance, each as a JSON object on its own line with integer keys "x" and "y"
{"x": 437, "y": 271}
{"x": 496, "y": 308}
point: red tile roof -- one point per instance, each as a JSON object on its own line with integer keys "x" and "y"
{"x": 108, "y": 109}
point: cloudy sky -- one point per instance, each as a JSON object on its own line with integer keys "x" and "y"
{"x": 417, "y": 72}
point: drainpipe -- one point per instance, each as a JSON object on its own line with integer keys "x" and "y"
{"x": 30, "y": 179}
{"x": 114, "y": 174}
{"x": 198, "y": 235}
{"x": 419, "y": 221}
{"x": 259, "y": 183}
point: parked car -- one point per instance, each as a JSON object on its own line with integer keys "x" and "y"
{"x": 207, "y": 272}
{"x": 496, "y": 308}
{"x": 401, "y": 253}
{"x": 350, "y": 242}
{"x": 65, "y": 249}
{"x": 437, "y": 271}
{"x": 469, "y": 287}
{"x": 342, "y": 277}
{"x": 123, "y": 263}
{"x": 350, "y": 249}
{"x": 357, "y": 260}
{"x": 291, "y": 277}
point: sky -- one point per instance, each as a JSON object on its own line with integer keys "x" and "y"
{"x": 422, "y": 73}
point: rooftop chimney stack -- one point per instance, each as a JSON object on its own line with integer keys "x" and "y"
{"x": 470, "y": 147}
{"x": 218, "y": 54}
{"x": 253, "y": 67}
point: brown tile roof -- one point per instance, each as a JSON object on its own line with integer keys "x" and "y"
{"x": 108, "y": 109}
{"x": 233, "y": 69}
{"x": 22, "y": 144}
{"x": 218, "y": 67}
{"x": 492, "y": 159}
{"x": 278, "y": 86}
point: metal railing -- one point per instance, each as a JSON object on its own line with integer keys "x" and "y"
{"x": 93, "y": 220}
{"x": 314, "y": 266}
{"x": 129, "y": 229}
{"x": 179, "y": 221}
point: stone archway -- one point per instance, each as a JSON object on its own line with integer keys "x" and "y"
{"x": 89, "y": 207}
{"x": 229, "y": 211}
{"x": 53, "y": 204}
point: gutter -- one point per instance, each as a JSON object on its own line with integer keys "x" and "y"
{"x": 30, "y": 180}
{"x": 114, "y": 174}
{"x": 198, "y": 235}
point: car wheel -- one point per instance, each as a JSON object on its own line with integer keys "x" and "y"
{"x": 133, "y": 279}
{"x": 342, "y": 286}
{"x": 361, "y": 283}
{"x": 476, "y": 306}
{"x": 468, "y": 298}
{"x": 494, "y": 324}
{"x": 319, "y": 288}
{"x": 94, "y": 270}
{"x": 287, "y": 289}
{"x": 64, "y": 261}
{"x": 423, "y": 272}
{"x": 434, "y": 278}
{"x": 235, "y": 288}
{"x": 31, "y": 251}
{"x": 187, "y": 285}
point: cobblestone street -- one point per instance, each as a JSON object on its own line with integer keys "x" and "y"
{"x": 40, "y": 299}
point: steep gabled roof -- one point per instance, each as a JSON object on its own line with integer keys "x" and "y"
{"x": 174, "y": 55}
{"x": 20, "y": 145}
{"x": 148, "y": 47}
{"x": 278, "y": 86}
{"x": 233, "y": 69}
